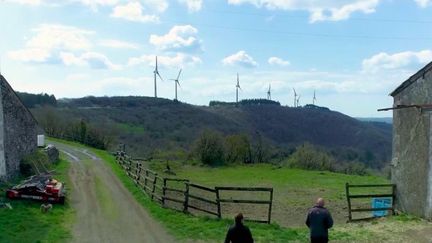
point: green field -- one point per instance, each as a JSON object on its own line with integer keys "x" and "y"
{"x": 189, "y": 228}
{"x": 294, "y": 190}
{"x": 26, "y": 223}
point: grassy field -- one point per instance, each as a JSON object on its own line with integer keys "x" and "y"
{"x": 294, "y": 190}
{"x": 188, "y": 228}
{"x": 26, "y": 223}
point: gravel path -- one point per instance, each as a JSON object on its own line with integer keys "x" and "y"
{"x": 105, "y": 210}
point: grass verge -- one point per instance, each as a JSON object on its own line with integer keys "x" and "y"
{"x": 26, "y": 223}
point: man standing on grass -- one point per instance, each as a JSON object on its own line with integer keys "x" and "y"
{"x": 239, "y": 233}
{"x": 319, "y": 221}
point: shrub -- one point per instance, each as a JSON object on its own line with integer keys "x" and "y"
{"x": 34, "y": 162}
{"x": 309, "y": 157}
{"x": 237, "y": 149}
{"x": 209, "y": 148}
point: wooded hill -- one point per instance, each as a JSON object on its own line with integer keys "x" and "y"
{"x": 154, "y": 127}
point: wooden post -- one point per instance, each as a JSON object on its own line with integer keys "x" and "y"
{"x": 154, "y": 186}
{"x": 138, "y": 173}
{"x": 349, "y": 201}
{"x": 186, "y": 195}
{"x": 145, "y": 180}
{"x": 218, "y": 203}
{"x": 164, "y": 191}
{"x": 394, "y": 199}
{"x": 270, "y": 206}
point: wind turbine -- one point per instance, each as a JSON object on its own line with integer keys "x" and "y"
{"x": 314, "y": 99}
{"x": 176, "y": 82}
{"x": 295, "y": 98}
{"x": 269, "y": 92}
{"x": 237, "y": 87}
{"x": 156, "y": 73}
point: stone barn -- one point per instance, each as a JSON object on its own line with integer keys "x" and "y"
{"x": 412, "y": 144}
{"x": 18, "y": 131}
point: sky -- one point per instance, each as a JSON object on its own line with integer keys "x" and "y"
{"x": 352, "y": 53}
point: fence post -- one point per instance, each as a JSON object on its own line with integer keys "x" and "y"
{"x": 349, "y": 201}
{"x": 154, "y": 186}
{"x": 186, "y": 194}
{"x": 145, "y": 180}
{"x": 270, "y": 206}
{"x": 138, "y": 172}
{"x": 394, "y": 199}
{"x": 218, "y": 203}
{"x": 164, "y": 190}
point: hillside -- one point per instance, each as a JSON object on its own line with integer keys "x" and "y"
{"x": 148, "y": 126}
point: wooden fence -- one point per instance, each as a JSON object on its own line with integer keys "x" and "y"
{"x": 182, "y": 195}
{"x": 349, "y": 196}
{"x": 241, "y": 201}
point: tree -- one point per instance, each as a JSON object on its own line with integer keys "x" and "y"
{"x": 237, "y": 149}
{"x": 209, "y": 148}
{"x": 311, "y": 158}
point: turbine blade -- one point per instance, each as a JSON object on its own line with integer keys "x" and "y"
{"x": 159, "y": 76}
{"x": 156, "y": 67}
{"x": 178, "y": 76}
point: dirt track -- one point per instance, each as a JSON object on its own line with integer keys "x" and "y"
{"x": 105, "y": 210}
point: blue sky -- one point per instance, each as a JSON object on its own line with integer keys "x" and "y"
{"x": 353, "y": 53}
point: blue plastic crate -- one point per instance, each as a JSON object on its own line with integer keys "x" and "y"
{"x": 381, "y": 203}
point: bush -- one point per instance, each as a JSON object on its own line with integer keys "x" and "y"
{"x": 35, "y": 162}
{"x": 237, "y": 149}
{"x": 309, "y": 157}
{"x": 210, "y": 148}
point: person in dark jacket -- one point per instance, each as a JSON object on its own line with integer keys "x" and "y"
{"x": 319, "y": 221}
{"x": 239, "y": 233}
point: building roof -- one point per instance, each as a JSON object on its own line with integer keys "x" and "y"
{"x": 9, "y": 87}
{"x": 412, "y": 79}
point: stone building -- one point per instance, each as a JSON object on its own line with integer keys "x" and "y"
{"x": 412, "y": 144}
{"x": 18, "y": 131}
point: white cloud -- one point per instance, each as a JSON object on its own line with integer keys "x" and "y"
{"x": 133, "y": 11}
{"x": 94, "y": 4}
{"x": 179, "y": 60}
{"x": 57, "y": 44}
{"x": 26, "y": 2}
{"x": 423, "y": 3}
{"x": 50, "y": 39}
{"x": 333, "y": 10}
{"x": 181, "y": 38}
{"x": 278, "y": 61}
{"x": 93, "y": 59}
{"x": 240, "y": 58}
{"x": 118, "y": 44}
{"x": 30, "y": 55}
{"x": 407, "y": 59}
{"x": 192, "y": 5}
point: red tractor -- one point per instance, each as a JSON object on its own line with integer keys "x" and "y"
{"x": 39, "y": 187}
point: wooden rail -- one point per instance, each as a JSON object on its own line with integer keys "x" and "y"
{"x": 349, "y": 196}
{"x": 242, "y": 201}
{"x": 186, "y": 193}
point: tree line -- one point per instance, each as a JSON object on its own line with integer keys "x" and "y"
{"x": 213, "y": 149}
{"x": 33, "y": 100}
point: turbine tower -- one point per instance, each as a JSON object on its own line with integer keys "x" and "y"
{"x": 237, "y": 87}
{"x": 314, "y": 99}
{"x": 298, "y": 101}
{"x": 176, "y": 82}
{"x": 269, "y": 92}
{"x": 156, "y": 73}
{"x": 295, "y": 98}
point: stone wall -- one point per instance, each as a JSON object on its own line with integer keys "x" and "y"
{"x": 412, "y": 148}
{"x": 20, "y": 129}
